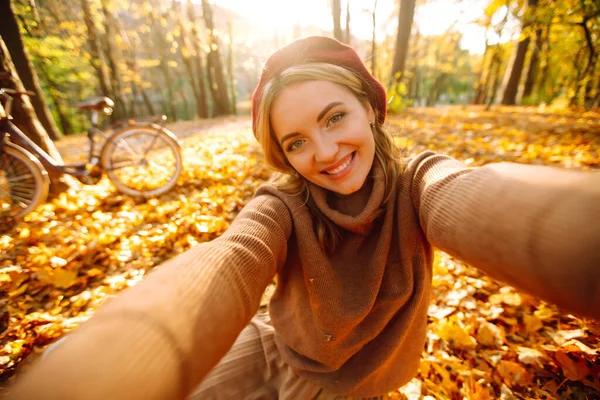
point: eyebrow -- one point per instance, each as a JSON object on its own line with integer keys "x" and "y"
{"x": 319, "y": 117}
{"x": 327, "y": 108}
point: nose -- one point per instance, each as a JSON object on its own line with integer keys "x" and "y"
{"x": 325, "y": 150}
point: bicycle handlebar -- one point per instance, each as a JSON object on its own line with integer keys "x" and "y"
{"x": 7, "y": 94}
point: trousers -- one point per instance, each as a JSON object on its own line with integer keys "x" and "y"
{"x": 254, "y": 369}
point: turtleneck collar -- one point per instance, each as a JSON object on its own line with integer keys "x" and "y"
{"x": 359, "y": 222}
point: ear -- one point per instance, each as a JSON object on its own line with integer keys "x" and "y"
{"x": 368, "y": 108}
{"x": 370, "y": 112}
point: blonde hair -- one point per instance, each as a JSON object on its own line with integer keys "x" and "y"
{"x": 286, "y": 178}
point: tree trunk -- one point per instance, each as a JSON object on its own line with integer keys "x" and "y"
{"x": 132, "y": 65}
{"x": 337, "y": 16}
{"x": 413, "y": 81}
{"x": 185, "y": 50}
{"x": 202, "y": 101}
{"x": 9, "y": 30}
{"x": 186, "y": 105}
{"x": 96, "y": 60}
{"x": 482, "y": 79}
{"x": 134, "y": 43}
{"x": 596, "y": 103}
{"x": 586, "y": 84}
{"x": 534, "y": 63}
{"x": 230, "y": 70}
{"x": 162, "y": 45}
{"x": 591, "y": 92}
{"x": 374, "y": 43}
{"x": 436, "y": 88}
{"x": 515, "y": 71}
{"x": 187, "y": 62}
{"x": 509, "y": 97}
{"x": 348, "y": 39}
{"x": 147, "y": 101}
{"x": 215, "y": 68}
{"x": 544, "y": 65}
{"x": 405, "y": 21}
{"x": 109, "y": 52}
{"x": 25, "y": 119}
{"x": 494, "y": 75}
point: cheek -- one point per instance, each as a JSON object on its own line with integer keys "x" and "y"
{"x": 364, "y": 138}
{"x": 300, "y": 163}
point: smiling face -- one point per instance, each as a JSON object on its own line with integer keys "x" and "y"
{"x": 324, "y": 131}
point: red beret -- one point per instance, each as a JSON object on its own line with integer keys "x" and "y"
{"x": 325, "y": 50}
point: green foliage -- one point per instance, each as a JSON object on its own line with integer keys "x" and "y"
{"x": 65, "y": 73}
{"x": 397, "y": 98}
{"x": 152, "y": 38}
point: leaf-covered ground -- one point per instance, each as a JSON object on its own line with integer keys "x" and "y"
{"x": 485, "y": 340}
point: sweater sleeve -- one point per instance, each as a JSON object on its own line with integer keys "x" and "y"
{"x": 160, "y": 338}
{"x": 534, "y": 227}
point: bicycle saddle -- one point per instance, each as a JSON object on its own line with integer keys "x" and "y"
{"x": 103, "y": 104}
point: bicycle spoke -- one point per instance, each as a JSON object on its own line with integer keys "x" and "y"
{"x": 159, "y": 167}
{"x": 22, "y": 184}
{"x": 151, "y": 145}
{"x": 28, "y": 184}
{"x": 21, "y": 199}
{"x": 124, "y": 164}
{"x": 138, "y": 164}
{"x": 23, "y": 191}
{"x": 20, "y": 177}
{"x": 127, "y": 147}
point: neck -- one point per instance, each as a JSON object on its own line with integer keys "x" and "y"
{"x": 353, "y": 203}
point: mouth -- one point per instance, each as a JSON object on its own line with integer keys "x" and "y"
{"x": 342, "y": 168}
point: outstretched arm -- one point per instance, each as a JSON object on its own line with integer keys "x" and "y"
{"x": 536, "y": 228}
{"x": 160, "y": 338}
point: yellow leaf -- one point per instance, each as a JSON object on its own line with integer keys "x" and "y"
{"x": 532, "y": 323}
{"x": 64, "y": 278}
{"x": 544, "y": 313}
{"x": 490, "y": 335}
{"x": 57, "y": 262}
{"x": 531, "y": 356}
{"x": 510, "y": 298}
{"x": 513, "y": 373}
{"x": 18, "y": 291}
{"x": 412, "y": 390}
{"x": 454, "y": 332}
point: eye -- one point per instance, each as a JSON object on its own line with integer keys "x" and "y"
{"x": 294, "y": 145}
{"x": 335, "y": 118}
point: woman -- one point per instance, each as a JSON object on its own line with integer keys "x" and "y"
{"x": 348, "y": 229}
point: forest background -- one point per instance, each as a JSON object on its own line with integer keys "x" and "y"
{"x": 195, "y": 59}
{"x": 480, "y": 80}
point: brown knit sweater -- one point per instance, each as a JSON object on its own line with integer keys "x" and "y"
{"x": 354, "y": 321}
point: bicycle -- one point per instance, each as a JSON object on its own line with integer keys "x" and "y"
{"x": 141, "y": 159}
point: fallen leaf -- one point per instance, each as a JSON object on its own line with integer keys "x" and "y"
{"x": 513, "y": 373}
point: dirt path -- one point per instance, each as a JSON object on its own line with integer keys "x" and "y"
{"x": 74, "y": 148}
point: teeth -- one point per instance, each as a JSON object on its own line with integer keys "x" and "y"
{"x": 341, "y": 167}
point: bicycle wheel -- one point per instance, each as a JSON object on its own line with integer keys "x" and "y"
{"x": 24, "y": 182}
{"x": 142, "y": 161}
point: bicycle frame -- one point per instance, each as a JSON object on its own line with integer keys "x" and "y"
{"x": 11, "y": 130}
{"x": 7, "y": 128}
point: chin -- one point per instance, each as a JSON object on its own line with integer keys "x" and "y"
{"x": 348, "y": 189}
